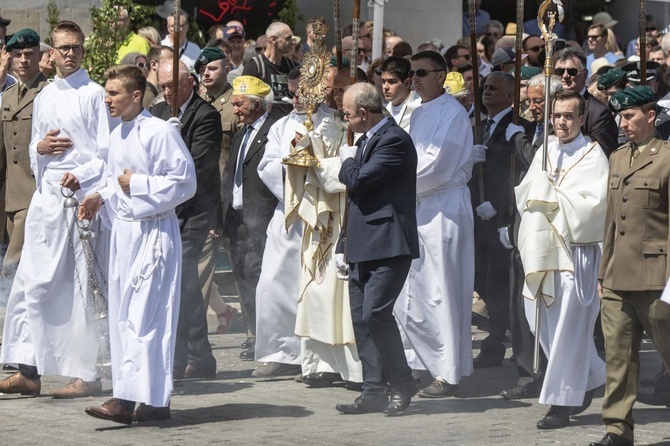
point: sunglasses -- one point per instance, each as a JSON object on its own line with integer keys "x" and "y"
{"x": 571, "y": 71}
{"x": 291, "y": 94}
{"x": 534, "y": 49}
{"x": 141, "y": 64}
{"x": 467, "y": 56}
{"x": 594, "y": 37}
{"x": 378, "y": 72}
{"x": 421, "y": 72}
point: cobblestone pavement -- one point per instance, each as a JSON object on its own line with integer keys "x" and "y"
{"x": 237, "y": 409}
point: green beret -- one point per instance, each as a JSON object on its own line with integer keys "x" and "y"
{"x": 207, "y": 55}
{"x": 610, "y": 78}
{"x": 528, "y": 71}
{"x": 631, "y": 97}
{"x": 26, "y": 38}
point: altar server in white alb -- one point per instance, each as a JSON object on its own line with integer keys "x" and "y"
{"x": 279, "y": 282}
{"x": 150, "y": 172}
{"x": 562, "y": 224}
{"x": 47, "y": 328}
{"x": 434, "y": 308}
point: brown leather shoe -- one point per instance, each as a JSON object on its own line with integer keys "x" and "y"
{"x": 18, "y": 383}
{"x": 193, "y": 371}
{"x": 78, "y": 388}
{"x": 144, "y": 412}
{"x": 111, "y": 410}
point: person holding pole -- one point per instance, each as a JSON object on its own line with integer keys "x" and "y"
{"x": 562, "y": 211}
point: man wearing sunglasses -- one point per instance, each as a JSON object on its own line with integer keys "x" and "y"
{"x": 597, "y": 41}
{"x": 532, "y": 47}
{"x": 432, "y": 321}
{"x": 457, "y": 56}
{"x": 599, "y": 124}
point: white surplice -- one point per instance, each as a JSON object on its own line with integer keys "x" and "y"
{"x": 48, "y": 321}
{"x": 563, "y": 214}
{"x": 324, "y": 314}
{"x": 279, "y": 282}
{"x": 145, "y": 255}
{"x": 434, "y": 308}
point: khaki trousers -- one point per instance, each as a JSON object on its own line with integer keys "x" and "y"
{"x": 16, "y": 224}
{"x": 625, "y": 315}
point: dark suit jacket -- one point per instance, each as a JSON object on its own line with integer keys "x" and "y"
{"x": 497, "y": 172}
{"x": 381, "y": 193}
{"x": 258, "y": 202}
{"x": 201, "y": 130}
{"x": 600, "y": 125}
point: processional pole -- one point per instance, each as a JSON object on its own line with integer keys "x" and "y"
{"x": 549, "y": 44}
{"x": 472, "y": 14}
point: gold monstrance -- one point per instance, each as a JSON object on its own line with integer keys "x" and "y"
{"x": 311, "y": 92}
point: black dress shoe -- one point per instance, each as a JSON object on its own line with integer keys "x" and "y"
{"x": 397, "y": 403}
{"x": 248, "y": 355}
{"x": 250, "y": 343}
{"x": 654, "y": 399}
{"x": 519, "y": 392}
{"x": 362, "y": 405}
{"x": 321, "y": 379}
{"x": 588, "y": 398}
{"x": 556, "y": 418}
{"x": 353, "y": 386}
{"x": 485, "y": 360}
{"x": 613, "y": 440}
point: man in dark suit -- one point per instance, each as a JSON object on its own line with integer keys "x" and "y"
{"x": 529, "y": 384}
{"x": 200, "y": 125}
{"x": 380, "y": 242}
{"x": 248, "y": 205}
{"x": 492, "y": 261}
{"x": 599, "y": 124}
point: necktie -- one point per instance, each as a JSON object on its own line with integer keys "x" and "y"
{"x": 22, "y": 91}
{"x": 538, "y": 131}
{"x": 241, "y": 155}
{"x": 634, "y": 154}
{"x": 487, "y": 129}
{"x": 361, "y": 146}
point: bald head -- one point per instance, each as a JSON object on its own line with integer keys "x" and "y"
{"x": 165, "y": 77}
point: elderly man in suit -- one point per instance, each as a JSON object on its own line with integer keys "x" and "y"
{"x": 15, "y": 131}
{"x": 492, "y": 261}
{"x": 633, "y": 271}
{"x": 247, "y": 203}
{"x": 380, "y": 242}
{"x": 200, "y": 125}
{"x": 529, "y": 384}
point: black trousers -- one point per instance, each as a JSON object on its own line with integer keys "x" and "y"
{"x": 523, "y": 340}
{"x": 246, "y": 253}
{"x": 192, "y": 345}
{"x": 492, "y": 282}
{"x": 374, "y": 287}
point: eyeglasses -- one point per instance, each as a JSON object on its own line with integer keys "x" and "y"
{"x": 467, "y": 56}
{"x": 259, "y": 49}
{"x": 534, "y": 49}
{"x": 536, "y": 101}
{"x": 421, "y": 72}
{"x": 65, "y": 49}
{"x": 594, "y": 37}
{"x": 572, "y": 72}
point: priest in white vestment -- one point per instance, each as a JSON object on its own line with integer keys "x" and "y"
{"x": 317, "y": 197}
{"x": 279, "y": 282}
{"x": 49, "y": 323}
{"x": 150, "y": 172}
{"x": 434, "y": 309}
{"x": 562, "y": 223}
